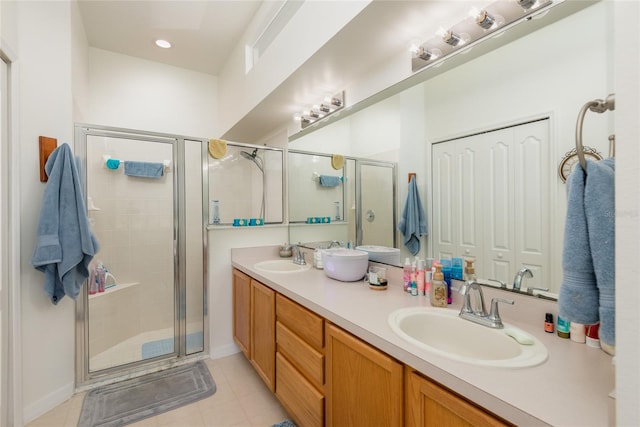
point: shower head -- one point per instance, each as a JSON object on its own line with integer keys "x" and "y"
{"x": 253, "y": 157}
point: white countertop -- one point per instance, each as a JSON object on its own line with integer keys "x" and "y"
{"x": 571, "y": 388}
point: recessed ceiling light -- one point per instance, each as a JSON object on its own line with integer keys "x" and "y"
{"x": 163, "y": 44}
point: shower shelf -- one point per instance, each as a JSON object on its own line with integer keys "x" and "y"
{"x": 113, "y": 289}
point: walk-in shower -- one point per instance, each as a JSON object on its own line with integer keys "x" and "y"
{"x": 253, "y": 157}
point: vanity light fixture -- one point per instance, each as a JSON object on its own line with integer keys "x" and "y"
{"x": 493, "y": 20}
{"x": 330, "y": 105}
{"x": 163, "y": 44}
{"x": 527, "y": 4}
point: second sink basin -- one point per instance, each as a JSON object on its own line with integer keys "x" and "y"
{"x": 280, "y": 266}
{"x": 441, "y": 331}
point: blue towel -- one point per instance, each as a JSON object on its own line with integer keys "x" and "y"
{"x": 65, "y": 244}
{"x": 587, "y": 293}
{"x": 143, "y": 169}
{"x": 413, "y": 223}
{"x": 329, "y": 181}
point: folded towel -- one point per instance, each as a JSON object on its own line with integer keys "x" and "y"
{"x": 413, "y": 223}
{"x": 65, "y": 245}
{"x": 587, "y": 293}
{"x": 329, "y": 181}
{"x": 113, "y": 164}
{"x": 143, "y": 169}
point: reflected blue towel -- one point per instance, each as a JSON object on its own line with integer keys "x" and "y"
{"x": 329, "y": 181}
{"x": 587, "y": 293}
{"x": 413, "y": 223}
{"x": 65, "y": 244}
{"x": 143, "y": 169}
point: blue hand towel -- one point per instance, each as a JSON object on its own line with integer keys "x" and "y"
{"x": 143, "y": 169}
{"x": 587, "y": 293}
{"x": 329, "y": 181}
{"x": 65, "y": 244}
{"x": 413, "y": 223}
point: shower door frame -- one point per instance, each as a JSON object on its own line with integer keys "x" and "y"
{"x": 86, "y": 379}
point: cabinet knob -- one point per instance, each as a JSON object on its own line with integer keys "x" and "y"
{"x": 500, "y": 256}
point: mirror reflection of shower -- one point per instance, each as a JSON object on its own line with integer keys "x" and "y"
{"x": 253, "y": 157}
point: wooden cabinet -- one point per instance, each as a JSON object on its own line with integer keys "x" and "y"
{"x": 242, "y": 311}
{"x": 263, "y": 335}
{"x": 300, "y": 362}
{"x": 364, "y": 386}
{"x": 254, "y": 324}
{"x": 427, "y": 404}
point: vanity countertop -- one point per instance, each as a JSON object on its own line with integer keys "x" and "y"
{"x": 571, "y": 388}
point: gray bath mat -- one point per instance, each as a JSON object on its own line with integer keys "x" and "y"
{"x": 132, "y": 400}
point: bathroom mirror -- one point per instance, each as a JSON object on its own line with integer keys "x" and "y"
{"x": 548, "y": 74}
{"x": 340, "y": 205}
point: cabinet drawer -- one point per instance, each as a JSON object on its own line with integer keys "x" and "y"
{"x": 301, "y": 400}
{"x": 307, "y": 325}
{"x": 305, "y": 358}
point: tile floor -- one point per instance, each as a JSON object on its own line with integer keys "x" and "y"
{"x": 241, "y": 399}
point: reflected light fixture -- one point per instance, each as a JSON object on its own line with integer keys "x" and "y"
{"x": 163, "y": 44}
{"x": 330, "y": 105}
{"x": 492, "y": 20}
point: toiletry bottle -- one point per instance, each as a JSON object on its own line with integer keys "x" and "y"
{"x": 456, "y": 268}
{"x": 414, "y": 286}
{"x": 548, "y": 323}
{"x": 469, "y": 270}
{"x": 563, "y": 328}
{"x": 446, "y": 273}
{"x": 93, "y": 285}
{"x": 100, "y": 277}
{"x": 420, "y": 276}
{"x": 406, "y": 275}
{"x": 438, "y": 289}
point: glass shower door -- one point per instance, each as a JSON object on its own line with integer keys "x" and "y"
{"x": 135, "y": 221}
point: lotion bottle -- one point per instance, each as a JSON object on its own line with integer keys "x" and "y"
{"x": 438, "y": 288}
{"x": 406, "y": 275}
{"x": 420, "y": 277}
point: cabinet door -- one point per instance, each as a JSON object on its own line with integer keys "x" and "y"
{"x": 263, "y": 332}
{"x": 429, "y": 405}
{"x": 242, "y": 311}
{"x": 363, "y": 385}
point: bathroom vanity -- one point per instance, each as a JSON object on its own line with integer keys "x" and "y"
{"x": 325, "y": 348}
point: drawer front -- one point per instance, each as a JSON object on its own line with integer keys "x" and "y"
{"x": 305, "y": 358}
{"x": 301, "y": 400}
{"x": 307, "y": 325}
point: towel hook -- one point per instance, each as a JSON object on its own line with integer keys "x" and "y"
{"x": 597, "y": 106}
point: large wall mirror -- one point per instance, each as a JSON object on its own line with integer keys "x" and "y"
{"x": 543, "y": 77}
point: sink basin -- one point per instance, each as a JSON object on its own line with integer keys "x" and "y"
{"x": 280, "y": 266}
{"x": 346, "y": 265}
{"x": 441, "y": 331}
{"x": 383, "y": 254}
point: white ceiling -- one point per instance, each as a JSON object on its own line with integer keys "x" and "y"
{"x": 202, "y": 32}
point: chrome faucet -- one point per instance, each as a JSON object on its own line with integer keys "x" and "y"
{"x": 298, "y": 255}
{"x": 477, "y": 313}
{"x": 335, "y": 243}
{"x": 517, "y": 281}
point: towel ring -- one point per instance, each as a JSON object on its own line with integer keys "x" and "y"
{"x": 598, "y": 106}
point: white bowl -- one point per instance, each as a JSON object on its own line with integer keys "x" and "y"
{"x": 382, "y": 254}
{"x": 346, "y": 265}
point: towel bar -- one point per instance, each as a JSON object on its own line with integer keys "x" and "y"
{"x": 598, "y": 106}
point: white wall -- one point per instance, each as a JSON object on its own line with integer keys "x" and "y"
{"x": 627, "y": 60}
{"x": 45, "y": 108}
{"x": 134, "y": 93}
{"x": 311, "y": 27}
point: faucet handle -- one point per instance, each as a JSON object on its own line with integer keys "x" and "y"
{"x": 503, "y": 285}
{"x": 494, "y": 315}
{"x": 530, "y": 290}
